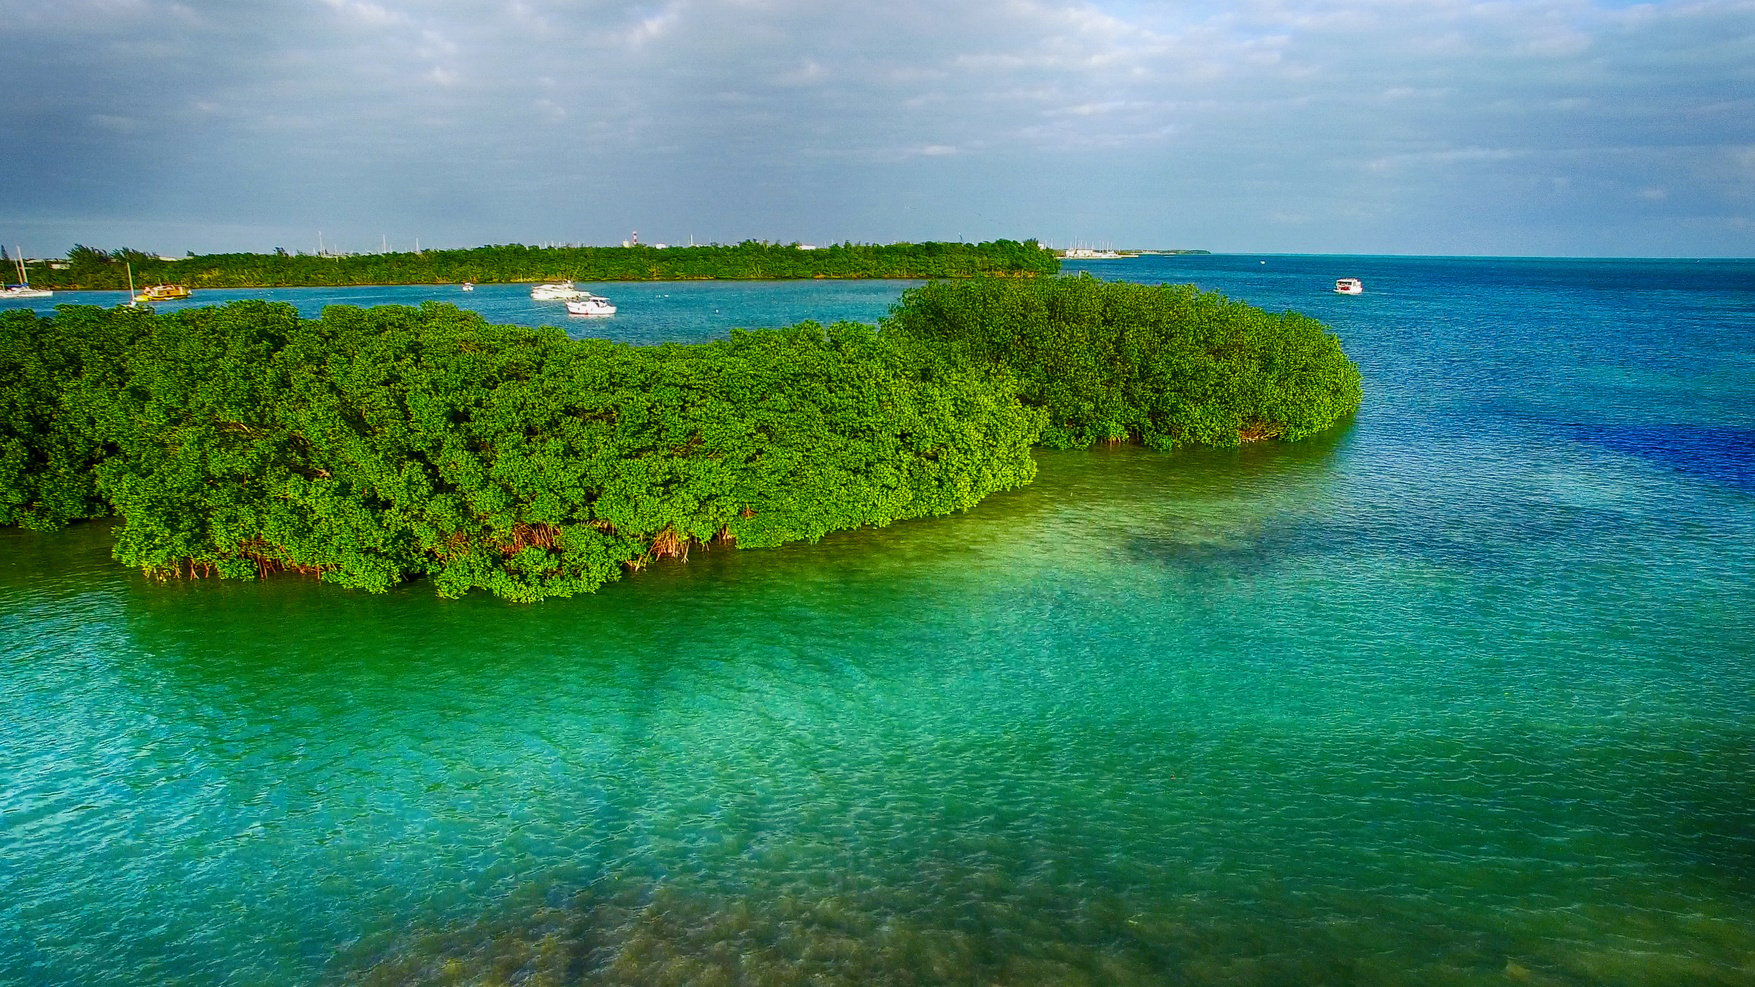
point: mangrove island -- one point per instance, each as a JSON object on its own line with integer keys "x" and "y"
{"x": 371, "y": 446}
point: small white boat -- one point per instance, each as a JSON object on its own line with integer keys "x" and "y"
{"x": 591, "y": 305}
{"x": 556, "y": 291}
{"x": 467, "y": 286}
{"x": 1349, "y": 286}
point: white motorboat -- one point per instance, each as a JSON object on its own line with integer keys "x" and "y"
{"x": 556, "y": 291}
{"x": 468, "y": 286}
{"x": 591, "y": 305}
{"x": 1349, "y": 286}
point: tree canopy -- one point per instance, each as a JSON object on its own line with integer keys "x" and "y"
{"x": 374, "y": 445}
{"x": 371, "y": 446}
{"x": 1163, "y": 365}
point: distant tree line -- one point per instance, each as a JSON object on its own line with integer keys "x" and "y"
{"x": 371, "y": 446}
{"x": 91, "y": 268}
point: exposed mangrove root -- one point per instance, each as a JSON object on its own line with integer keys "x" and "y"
{"x": 265, "y": 566}
{"x": 179, "y": 569}
{"x": 667, "y": 544}
{"x": 525, "y": 536}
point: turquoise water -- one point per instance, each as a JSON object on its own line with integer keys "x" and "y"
{"x": 1463, "y": 693}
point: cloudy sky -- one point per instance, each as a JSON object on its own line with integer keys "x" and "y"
{"x": 1557, "y": 127}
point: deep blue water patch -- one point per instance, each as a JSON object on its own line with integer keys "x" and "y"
{"x": 1717, "y": 454}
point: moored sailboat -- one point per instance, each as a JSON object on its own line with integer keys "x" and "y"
{"x": 23, "y": 289}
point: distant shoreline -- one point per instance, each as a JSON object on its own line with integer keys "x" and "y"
{"x": 87, "y": 268}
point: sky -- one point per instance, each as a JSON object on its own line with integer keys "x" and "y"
{"x": 1518, "y": 127}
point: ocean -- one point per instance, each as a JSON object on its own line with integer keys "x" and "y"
{"x": 1462, "y": 692}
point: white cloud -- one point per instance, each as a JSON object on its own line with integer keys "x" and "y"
{"x": 1441, "y": 158}
{"x": 118, "y": 124}
{"x": 364, "y": 13}
{"x": 655, "y": 27}
{"x": 809, "y": 72}
{"x": 433, "y": 44}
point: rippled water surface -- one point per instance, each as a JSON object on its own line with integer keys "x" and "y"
{"x": 1463, "y": 693}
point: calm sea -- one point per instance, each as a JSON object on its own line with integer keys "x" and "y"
{"x": 1462, "y": 693}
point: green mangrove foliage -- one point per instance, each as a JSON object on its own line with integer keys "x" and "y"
{"x": 370, "y": 446}
{"x": 1164, "y": 365}
{"x": 55, "y": 375}
{"x": 91, "y": 268}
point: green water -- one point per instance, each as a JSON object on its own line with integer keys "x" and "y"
{"x": 1461, "y": 694}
